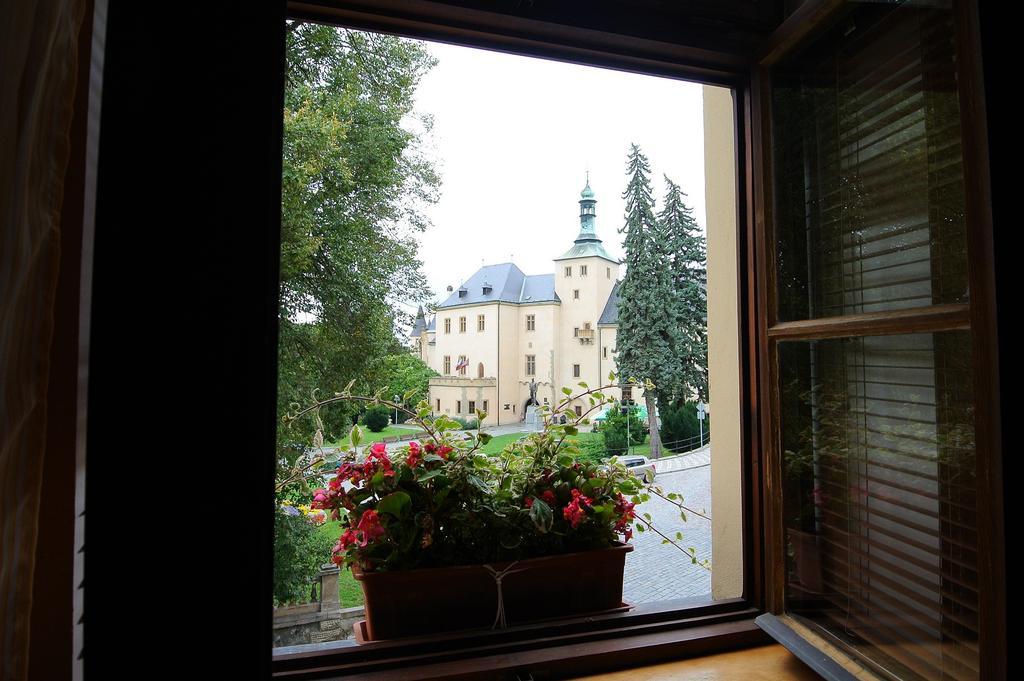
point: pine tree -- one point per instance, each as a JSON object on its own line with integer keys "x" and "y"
{"x": 648, "y": 334}
{"x": 687, "y": 252}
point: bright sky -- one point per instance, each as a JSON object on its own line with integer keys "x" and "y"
{"x": 513, "y": 138}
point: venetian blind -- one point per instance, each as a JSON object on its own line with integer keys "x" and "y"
{"x": 877, "y": 432}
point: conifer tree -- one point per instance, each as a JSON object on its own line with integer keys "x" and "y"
{"x": 687, "y": 253}
{"x": 647, "y": 339}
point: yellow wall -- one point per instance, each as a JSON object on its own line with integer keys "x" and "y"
{"x": 723, "y": 344}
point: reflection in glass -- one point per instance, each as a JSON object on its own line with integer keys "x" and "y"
{"x": 869, "y": 187}
{"x": 879, "y": 497}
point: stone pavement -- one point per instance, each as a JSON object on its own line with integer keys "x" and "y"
{"x": 656, "y": 571}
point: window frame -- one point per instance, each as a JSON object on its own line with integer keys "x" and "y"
{"x": 659, "y": 631}
{"x": 531, "y": 365}
{"x": 480, "y": 323}
{"x": 978, "y": 317}
{"x": 531, "y": 322}
{"x": 462, "y": 324}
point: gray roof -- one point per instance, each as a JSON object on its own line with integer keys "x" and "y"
{"x": 420, "y": 325}
{"x": 610, "y": 316}
{"x": 430, "y": 326}
{"x": 507, "y": 284}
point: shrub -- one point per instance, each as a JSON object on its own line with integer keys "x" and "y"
{"x": 377, "y": 418}
{"x": 679, "y": 425}
{"x": 467, "y": 424}
{"x": 615, "y": 430}
{"x": 299, "y": 551}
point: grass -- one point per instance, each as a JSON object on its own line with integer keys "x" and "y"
{"x": 371, "y": 437}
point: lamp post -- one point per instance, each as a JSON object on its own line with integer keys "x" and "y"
{"x": 701, "y": 410}
{"x": 625, "y": 412}
{"x": 397, "y": 397}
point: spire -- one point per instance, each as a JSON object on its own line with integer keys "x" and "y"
{"x": 420, "y": 325}
{"x": 587, "y": 214}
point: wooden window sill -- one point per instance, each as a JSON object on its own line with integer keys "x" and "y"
{"x": 764, "y": 663}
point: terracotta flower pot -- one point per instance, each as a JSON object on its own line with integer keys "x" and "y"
{"x": 413, "y": 602}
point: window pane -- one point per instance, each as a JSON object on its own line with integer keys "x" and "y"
{"x": 868, "y": 169}
{"x": 879, "y": 497}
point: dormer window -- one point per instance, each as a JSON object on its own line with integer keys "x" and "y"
{"x": 487, "y": 288}
{"x": 463, "y": 291}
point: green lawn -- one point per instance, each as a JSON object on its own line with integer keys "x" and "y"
{"x": 371, "y": 437}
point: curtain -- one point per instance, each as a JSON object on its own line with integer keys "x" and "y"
{"x": 38, "y": 63}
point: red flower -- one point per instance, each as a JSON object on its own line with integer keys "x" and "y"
{"x": 624, "y": 509}
{"x": 369, "y": 528}
{"x": 377, "y": 460}
{"x": 572, "y": 512}
{"x": 528, "y": 502}
{"x": 549, "y": 497}
{"x": 415, "y": 453}
{"x": 444, "y": 451}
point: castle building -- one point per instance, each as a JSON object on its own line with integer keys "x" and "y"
{"x": 503, "y": 333}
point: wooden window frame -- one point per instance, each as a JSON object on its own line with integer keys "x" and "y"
{"x": 650, "y": 632}
{"x": 447, "y": 324}
{"x": 238, "y": 223}
{"x": 531, "y": 365}
{"x": 480, "y": 323}
{"x": 978, "y": 318}
{"x": 531, "y": 322}
{"x": 462, "y": 325}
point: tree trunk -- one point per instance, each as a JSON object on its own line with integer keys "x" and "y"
{"x": 652, "y": 419}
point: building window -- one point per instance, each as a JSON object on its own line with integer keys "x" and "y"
{"x": 579, "y": 410}
{"x": 461, "y": 366}
{"x": 472, "y": 406}
{"x": 583, "y": 270}
{"x": 568, "y": 271}
{"x": 575, "y": 294}
{"x": 576, "y": 332}
{"x": 531, "y": 365}
{"x": 575, "y": 370}
{"x": 447, "y": 325}
{"x": 479, "y": 322}
{"x": 458, "y": 406}
{"x": 447, "y": 364}
{"x": 480, "y": 370}
{"x": 608, "y": 272}
{"x": 462, "y": 325}
{"x": 439, "y": 405}
{"x": 531, "y": 322}
{"x": 605, "y": 350}
{"x": 485, "y": 406}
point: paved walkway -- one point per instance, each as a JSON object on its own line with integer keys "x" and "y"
{"x": 657, "y": 571}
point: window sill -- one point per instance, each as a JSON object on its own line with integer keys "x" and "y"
{"x": 649, "y": 634}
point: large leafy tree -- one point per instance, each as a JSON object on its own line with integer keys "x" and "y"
{"x": 355, "y": 183}
{"x": 686, "y": 251}
{"x": 648, "y": 334}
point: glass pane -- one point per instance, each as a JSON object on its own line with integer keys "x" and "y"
{"x": 879, "y": 497}
{"x": 868, "y": 169}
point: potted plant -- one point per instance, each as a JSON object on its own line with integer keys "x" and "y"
{"x": 443, "y": 536}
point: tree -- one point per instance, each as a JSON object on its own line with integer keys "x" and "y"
{"x": 648, "y": 334}
{"x": 405, "y": 375}
{"x": 621, "y": 431}
{"x": 686, "y": 250}
{"x": 354, "y": 185}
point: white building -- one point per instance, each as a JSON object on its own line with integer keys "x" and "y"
{"x": 502, "y": 330}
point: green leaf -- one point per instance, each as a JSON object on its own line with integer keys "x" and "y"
{"x": 572, "y": 430}
{"x": 640, "y": 528}
{"x": 479, "y": 484}
{"x": 541, "y": 515}
{"x": 485, "y": 438}
{"x": 355, "y": 436}
{"x": 429, "y": 475}
{"x": 396, "y": 504}
{"x": 567, "y": 391}
{"x": 583, "y": 385}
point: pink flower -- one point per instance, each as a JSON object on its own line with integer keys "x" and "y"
{"x": 377, "y": 460}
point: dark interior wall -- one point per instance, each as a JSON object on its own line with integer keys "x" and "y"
{"x": 182, "y": 371}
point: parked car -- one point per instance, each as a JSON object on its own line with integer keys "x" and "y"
{"x": 641, "y": 466}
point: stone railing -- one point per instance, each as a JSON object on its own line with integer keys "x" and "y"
{"x": 318, "y": 621}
